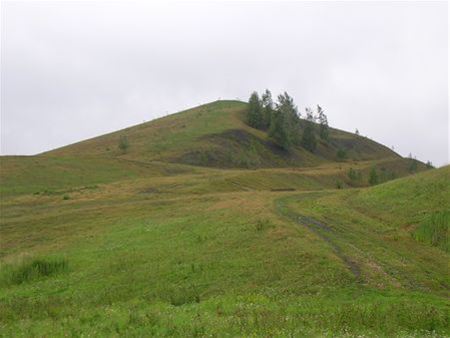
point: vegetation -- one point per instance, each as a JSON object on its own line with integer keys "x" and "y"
{"x": 354, "y": 175}
{"x": 255, "y": 112}
{"x": 434, "y": 230}
{"x": 285, "y": 122}
{"x": 268, "y": 108}
{"x": 166, "y": 241}
{"x": 341, "y": 154}
{"x": 323, "y": 124}
{"x": 309, "y": 133}
{"x": 30, "y": 270}
{"x": 123, "y": 143}
{"x": 373, "y": 176}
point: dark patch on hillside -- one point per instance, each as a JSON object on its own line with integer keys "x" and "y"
{"x": 361, "y": 148}
{"x": 238, "y": 149}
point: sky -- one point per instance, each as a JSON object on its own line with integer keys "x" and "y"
{"x": 75, "y": 70}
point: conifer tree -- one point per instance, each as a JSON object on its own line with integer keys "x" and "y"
{"x": 309, "y": 135}
{"x": 279, "y": 130}
{"x": 323, "y": 124}
{"x": 267, "y": 107}
{"x": 254, "y": 113}
{"x": 285, "y": 122}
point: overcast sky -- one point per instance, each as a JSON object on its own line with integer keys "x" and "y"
{"x": 71, "y": 71}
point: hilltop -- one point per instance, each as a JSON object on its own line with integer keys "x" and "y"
{"x": 205, "y": 227}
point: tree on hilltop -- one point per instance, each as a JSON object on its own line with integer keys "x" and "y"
{"x": 323, "y": 124}
{"x": 285, "y": 122}
{"x": 255, "y": 114}
{"x": 309, "y": 141}
{"x": 267, "y": 107}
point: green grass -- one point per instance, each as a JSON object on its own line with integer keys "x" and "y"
{"x": 434, "y": 230}
{"x": 96, "y": 242}
{"x": 31, "y": 270}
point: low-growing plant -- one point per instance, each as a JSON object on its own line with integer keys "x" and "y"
{"x": 434, "y": 230}
{"x": 179, "y": 296}
{"x": 260, "y": 225}
{"x": 27, "y": 271}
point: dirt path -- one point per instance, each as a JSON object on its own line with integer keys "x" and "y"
{"x": 322, "y": 230}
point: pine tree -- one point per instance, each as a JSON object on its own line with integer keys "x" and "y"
{"x": 267, "y": 107}
{"x": 323, "y": 124}
{"x": 309, "y": 135}
{"x": 254, "y": 113}
{"x": 279, "y": 130}
{"x": 285, "y": 122}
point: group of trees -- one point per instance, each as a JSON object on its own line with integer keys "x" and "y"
{"x": 284, "y": 122}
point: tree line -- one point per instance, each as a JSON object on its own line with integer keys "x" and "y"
{"x": 284, "y": 123}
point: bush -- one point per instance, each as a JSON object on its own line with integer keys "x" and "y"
{"x": 354, "y": 175}
{"x": 373, "y": 177}
{"x": 124, "y": 144}
{"x": 341, "y": 154}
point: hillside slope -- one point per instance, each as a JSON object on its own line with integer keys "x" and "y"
{"x": 394, "y": 234}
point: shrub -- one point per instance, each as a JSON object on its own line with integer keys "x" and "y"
{"x": 373, "y": 176}
{"x": 354, "y": 175}
{"x": 66, "y": 197}
{"x": 341, "y": 154}
{"x": 124, "y": 144}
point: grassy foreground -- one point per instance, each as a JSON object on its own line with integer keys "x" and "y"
{"x": 116, "y": 245}
{"x": 224, "y": 263}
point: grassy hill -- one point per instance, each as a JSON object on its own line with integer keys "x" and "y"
{"x": 215, "y": 135}
{"x": 209, "y": 136}
{"x": 167, "y": 241}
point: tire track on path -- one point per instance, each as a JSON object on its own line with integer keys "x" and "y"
{"x": 322, "y": 230}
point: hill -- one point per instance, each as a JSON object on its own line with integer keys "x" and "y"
{"x": 209, "y": 136}
{"x": 103, "y": 243}
{"x": 215, "y": 135}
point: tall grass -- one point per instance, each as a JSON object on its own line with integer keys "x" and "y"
{"x": 29, "y": 270}
{"x": 434, "y": 230}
